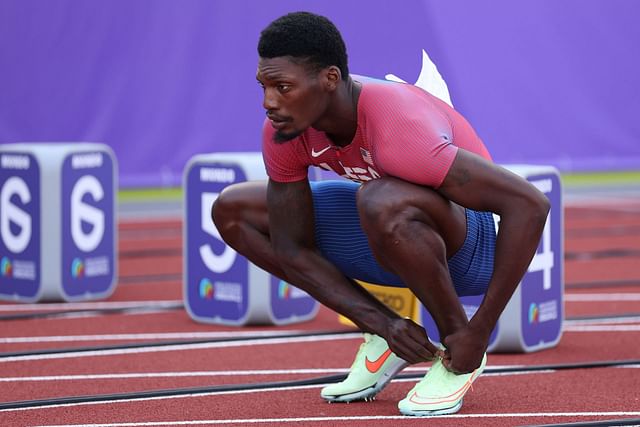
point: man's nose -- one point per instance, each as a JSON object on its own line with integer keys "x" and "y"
{"x": 269, "y": 102}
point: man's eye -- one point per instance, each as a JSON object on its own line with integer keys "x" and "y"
{"x": 284, "y": 88}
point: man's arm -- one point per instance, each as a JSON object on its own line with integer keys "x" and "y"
{"x": 291, "y": 226}
{"x": 476, "y": 183}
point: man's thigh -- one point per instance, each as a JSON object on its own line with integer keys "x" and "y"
{"x": 342, "y": 241}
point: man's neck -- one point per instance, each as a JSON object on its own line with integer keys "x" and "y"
{"x": 341, "y": 120}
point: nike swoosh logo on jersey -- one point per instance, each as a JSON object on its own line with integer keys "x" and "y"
{"x": 375, "y": 365}
{"x": 315, "y": 153}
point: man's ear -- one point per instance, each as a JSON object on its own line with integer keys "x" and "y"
{"x": 332, "y": 77}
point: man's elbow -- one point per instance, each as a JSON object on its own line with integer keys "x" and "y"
{"x": 539, "y": 207}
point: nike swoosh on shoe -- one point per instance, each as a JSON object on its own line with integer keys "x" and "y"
{"x": 375, "y": 365}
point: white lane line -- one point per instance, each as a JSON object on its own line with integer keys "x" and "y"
{"x": 347, "y": 419}
{"x": 601, "y": 320}
{"x": 145, "y": 336}
{"x": 182, "y": 396}
{"x": 574, "y": 297}
{"x": 601, "y": 328}
{"x": 178, "y": 347}
{"x": 175, "y": 374}
{"x": 87, "y": 305}
{"x": 218, "y": 393}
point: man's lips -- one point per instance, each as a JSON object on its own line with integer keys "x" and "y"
{"x": 278, "y": 122}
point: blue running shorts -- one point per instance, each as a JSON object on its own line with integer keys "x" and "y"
{"x": 342, "y": 241}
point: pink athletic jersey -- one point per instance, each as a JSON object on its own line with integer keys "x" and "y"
{"x": 402, "y": 131}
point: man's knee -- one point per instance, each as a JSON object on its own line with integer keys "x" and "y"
{"x": 237, "y": 204}
{"x": 225, "y": 208}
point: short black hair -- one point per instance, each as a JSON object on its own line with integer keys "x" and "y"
{"x": 307, "y": 36}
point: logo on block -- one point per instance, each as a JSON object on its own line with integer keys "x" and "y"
{"x": 206, "y": 289}
{"x": 284, "y": 290}
{"x": 77, "y": 268}
{"x": 5, "y": 267}
{"x": 533, "y": 313}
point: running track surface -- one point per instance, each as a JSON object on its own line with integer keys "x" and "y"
{"x": 602, "y": 245}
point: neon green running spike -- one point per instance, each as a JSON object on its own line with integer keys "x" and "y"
{"x": 374, "y": 366}
{"x": 439, "y": 392}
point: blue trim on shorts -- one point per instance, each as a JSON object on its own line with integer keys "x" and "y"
{"x": 341, "y": 240}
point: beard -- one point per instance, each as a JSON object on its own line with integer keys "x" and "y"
{"x": 282, "y": 137}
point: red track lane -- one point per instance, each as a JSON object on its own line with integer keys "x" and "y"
{"x": 178, "y": 322}
{"x": 164, "y": 322}
{"x": 559, "y": 392}
{"x": 148, "y": 291}
{"x": 602, "y": 270}
{"x": 603, "y": 220}
{"x": 129, "y": 227}
{"x": 323, "y": 354}
{"x": 601, "y": 244}
{"x": 47, "y": 389}
{"x": 604, "y": 309}
{"x": 594, "y": 244}
{"x": 137, "y": 266}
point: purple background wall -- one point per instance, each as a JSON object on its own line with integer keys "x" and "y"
{"x": 543, "y": 81}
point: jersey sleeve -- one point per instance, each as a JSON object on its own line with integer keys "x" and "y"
{"x": 414, "y": 140}
{"x": 282, "y": 161}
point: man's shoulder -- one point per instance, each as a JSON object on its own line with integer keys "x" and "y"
{"x": 372, "y": 83}
{"x": 392, "y": 92}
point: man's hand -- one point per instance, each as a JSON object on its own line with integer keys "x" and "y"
{"x": 409, "y": 341}
{"x": 464, "y": 350}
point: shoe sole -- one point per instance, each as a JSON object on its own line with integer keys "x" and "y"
{"x": 444, "y": 411}
{"x": 370, "y": 392}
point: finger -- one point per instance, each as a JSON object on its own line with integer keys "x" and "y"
{"x": 457, "y": 369}
{"x": 426, "y": 350}
{"x": 453, "y": 370}
{"x": 435, "y": 351}
{"x": 419, "y": 335}
{"x": 446, "y": 354}
{"x": 419, "y": 352}
{"x": 408, "y": 356}
{"x": 447, "y": 364}
{"x": 447, "y": 361}
{"x": 403, "y": 351}
{"x": 450, "y": 365}
{"x": 412, "y": 351}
